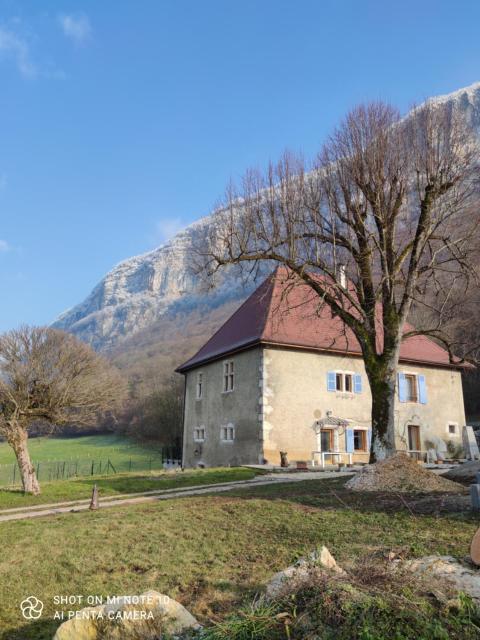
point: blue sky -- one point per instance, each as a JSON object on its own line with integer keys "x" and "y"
{"x": 122, "y": 121}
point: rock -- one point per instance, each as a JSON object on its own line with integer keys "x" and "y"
{"x": 301, "y": 572}
{"x": 460, "y": 577}
{"x": 465, "y": 473}
{"x": 129, "y": 618}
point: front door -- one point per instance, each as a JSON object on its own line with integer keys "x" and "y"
{"x": 326, "y": 440}
{"x": 414, "y": 441}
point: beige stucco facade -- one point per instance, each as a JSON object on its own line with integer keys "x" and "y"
{"x": 279, "y": 395}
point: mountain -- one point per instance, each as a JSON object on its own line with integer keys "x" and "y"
{"x": 151, "y": 311}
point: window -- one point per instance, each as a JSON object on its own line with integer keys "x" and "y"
{"x": 359, "y": 440}
{"x": 411, "y": 387}
{"x": 348, "y": 383}
{"x": 228, "y": 376}
{"x": 227, "y": 433}
{"x": 199, "y": 434}
{"x": 452, "y": 428}
{"x": 344, "y": 382}
{"x": 199, "y": 385}
{"x": 339, "y": 381}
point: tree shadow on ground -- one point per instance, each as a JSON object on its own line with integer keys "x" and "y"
{"x": 331, "y": 494}
{"x": 38, "y": 630}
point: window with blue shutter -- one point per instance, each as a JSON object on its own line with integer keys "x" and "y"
{"x": 331, "y": 381}
{"x": 402, "y": 387}
{"x": 349, "y": 442}
{"x": 422, "y": 390}
{"x": 357, "y": 383}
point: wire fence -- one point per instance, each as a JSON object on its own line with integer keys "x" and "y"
{"x": 51, "y": 470}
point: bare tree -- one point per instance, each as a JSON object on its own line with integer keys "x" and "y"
{"x": 48, "y": 375}
{"x": 388, "y": 201}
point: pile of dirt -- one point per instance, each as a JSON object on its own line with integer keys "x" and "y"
{"x": 400, "y": 473}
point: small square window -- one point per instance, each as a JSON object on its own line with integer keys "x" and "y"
{"x": 452, "y": 428}
{"x": 227, "y": 433}
{"x": 199, "y": 434}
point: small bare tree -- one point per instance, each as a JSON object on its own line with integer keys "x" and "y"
{"x": 48, "y": 375}
{"x": 391, "y": 202}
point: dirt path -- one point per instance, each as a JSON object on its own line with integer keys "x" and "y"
{"x": 41, "y": 510}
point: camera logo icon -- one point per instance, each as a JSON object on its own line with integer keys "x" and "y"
{"x": 31, "y": 608}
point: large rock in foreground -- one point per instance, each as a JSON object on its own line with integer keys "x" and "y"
{"x": 446, "y": 568}
{"x": 146, "y": 617}
{"x": 400, "y": 474}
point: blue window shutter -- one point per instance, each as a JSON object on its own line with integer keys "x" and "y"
{"x": 422, "y": 390}
{"x": 402, "y": 387}
{"x": 369, "y": 439}
{"x": 349, "y": 444}
{"x": 331, "y": 381}
{"x": 357, "y": 383}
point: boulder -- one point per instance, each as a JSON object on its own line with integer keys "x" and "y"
{"x": 301, "y": 572}
{"x": 129, "y": 618}
{"x": 459, "y": 577}
{"x": 464, "y": 473}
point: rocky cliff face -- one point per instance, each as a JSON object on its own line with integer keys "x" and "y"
{"x": 138, "y": 292}
{"x": 142, "y": 289}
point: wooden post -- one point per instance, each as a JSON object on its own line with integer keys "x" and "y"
{"x": 94, "y": 501}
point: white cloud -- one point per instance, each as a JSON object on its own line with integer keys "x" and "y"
{"x": 75, "y": 27}
{"x": 4, "y": 246}
{"x": 167, "y": 228}
{"x": 12, "y": 46}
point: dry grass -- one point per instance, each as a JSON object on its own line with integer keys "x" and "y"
{"x": 209, "y": 552}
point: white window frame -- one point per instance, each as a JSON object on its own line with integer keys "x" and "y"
{"x": 352, "y": 381}
{"x": 197, "y": 434}
{"x": 199, "y": 386}
{"x": 413, "y": 374}
{"x": 453, "y": 424}
{"x": 228, "y": 377}
{"x": 227, "y": 433}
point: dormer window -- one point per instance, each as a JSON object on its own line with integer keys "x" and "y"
{"x": 228, "y": 376}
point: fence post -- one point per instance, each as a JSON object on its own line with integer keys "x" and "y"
{"x": 38, "y": 470}
{"x": 130, "y": 465}
{"x": 92, "y": 467}
{"x": 14, "y": 472}
{"x": 150, "y": 465}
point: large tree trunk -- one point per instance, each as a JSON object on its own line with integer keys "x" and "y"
{"x": 27, "y": 470}
{"x": 383, "y": 415}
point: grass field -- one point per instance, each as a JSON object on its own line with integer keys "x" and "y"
{"x": 59, "y": 458}
{"x": 80, "y": 488}
{"x": 211, "y": 552}
{"x": 112, "y": 446}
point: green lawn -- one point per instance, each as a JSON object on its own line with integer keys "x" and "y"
{"x": 115, "y": 447}
{"x": 79, "y": 488}
{"x": 210, "y": 552}
{"x": 57, "y": 457}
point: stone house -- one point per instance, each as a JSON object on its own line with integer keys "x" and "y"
{"x": 282, "y": 374}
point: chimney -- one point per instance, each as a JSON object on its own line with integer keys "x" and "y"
{"x": 342, "y": 276}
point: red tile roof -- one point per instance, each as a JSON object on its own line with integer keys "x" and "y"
{"x": 282, "y": 313}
